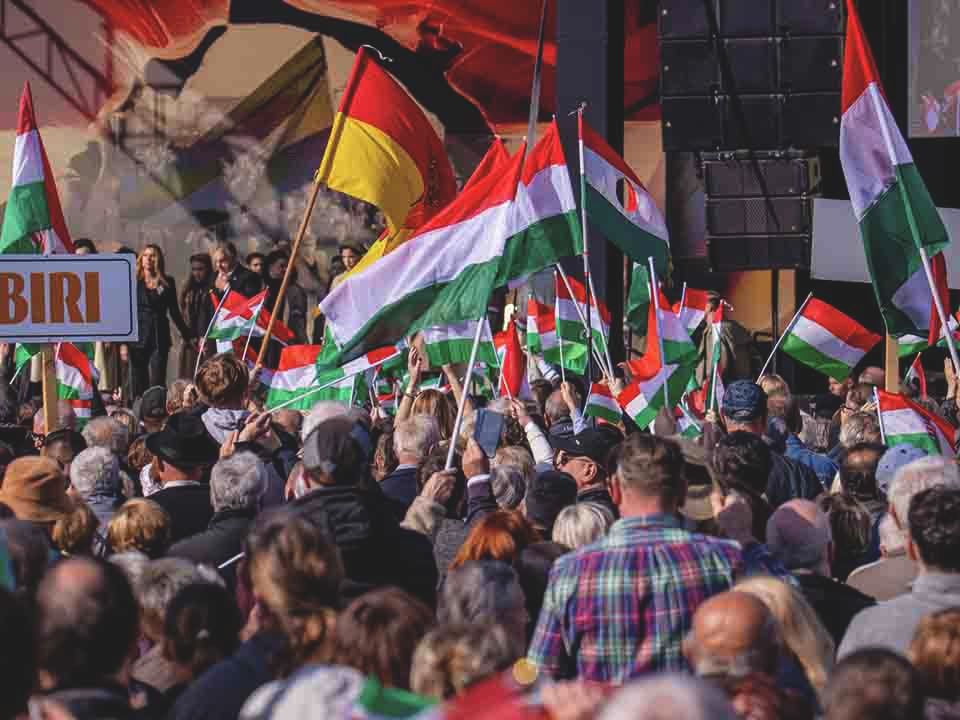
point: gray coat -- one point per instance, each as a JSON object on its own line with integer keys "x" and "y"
{"x": 891, "y": 624}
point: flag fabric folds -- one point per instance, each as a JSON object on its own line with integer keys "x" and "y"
{"x": 33, "y": 221}
{"x": 642, "y": 399}
{"x": 601, "y": 404}
{"x": 383, "y": 150}
{"x": 513, "y": 364}
{"x": 916, "y": 376}
{"x": 906, "y": 423}
{"x": 295, "y": 375}
{"x": 548, "y": 226}
{"x": 891, "y": 202}
{"x": 827, "y": 340}
{"x": 638, "y": 301}
{"x": 76, "y": 380}
{"x": 636, "y": 226}
{"x": 692, "y": 309}
{"x": 451, "y": 344}
{"x": 238, "y": 315}
{"x": 442, "y": 276}
{"x": 541, "y": 327}
{"x": 569, "y": 326}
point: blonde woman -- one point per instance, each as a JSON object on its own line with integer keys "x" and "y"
{"x": 801, "y": 629}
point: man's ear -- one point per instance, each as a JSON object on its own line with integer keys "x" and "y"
{"x": 616, "y": 492}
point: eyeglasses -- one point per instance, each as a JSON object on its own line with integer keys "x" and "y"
{"x": 564, "y": 459}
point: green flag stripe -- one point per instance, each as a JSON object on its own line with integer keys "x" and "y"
{"x": 919, "y": 440}
{"x": 635, "y": 242}
{"x": 26, "y": 213}
{"x": 540, "y": 246}
{"x": 891, "y": 252}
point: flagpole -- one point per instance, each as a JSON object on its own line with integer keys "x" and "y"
{"x": 683, "y": 297}
{"x": 786, "y": 332}
{"x": 883, "y": 432}
{"x": 253, "y": 327}
{"x": 563, "y": 371}
{"x": 716, "y": 369}
{"x": 282, "y": 292}
{"x": 587, "y": 283}
{"x": 915, "y": 231}
{"x": 606, "y": 345}
{"x": 458, "y": 423}
{"x": 213, "y": 320}
{"x": 583, "y": 320}
{"x": 537, "y": 78}
{"x": 655, "y": 296}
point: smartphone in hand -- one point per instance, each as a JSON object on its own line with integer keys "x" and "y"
{"x": 487, "y": 431}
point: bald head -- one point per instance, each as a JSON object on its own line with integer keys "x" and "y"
{"x": 734, "y": 634}
{"x": 289, "y": 421}
{"x": 87, "y": 624}
{"x": 798, "y": 533}
{"x": 66, "y": 418}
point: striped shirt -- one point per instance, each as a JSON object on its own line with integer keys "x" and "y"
{"x": 620, "y": 607}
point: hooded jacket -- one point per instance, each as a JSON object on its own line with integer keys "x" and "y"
{"x": 376, "y": 551}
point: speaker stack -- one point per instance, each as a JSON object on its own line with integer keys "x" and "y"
{"x": 754, "y": 87}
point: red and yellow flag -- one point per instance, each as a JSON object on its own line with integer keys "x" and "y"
{"x": 383, "y": 150}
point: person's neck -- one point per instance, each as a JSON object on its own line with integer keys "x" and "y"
{"x": 632, "y": 507}
{"x": 405, "y": 459}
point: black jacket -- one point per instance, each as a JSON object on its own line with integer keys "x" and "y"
{"x": 243, "y": 281}
{"x": 96, "y": 703}
{"x": 400, "y": 489}
{"x": 834, "y": 602}
{"x": 222, "y": 540}
{"x": 220, "y": 692}
{"x": 376, "y": 551}
{"x": 155, "y": 310}
{"x": 789, "y": 480}
{"x": 598, "y": 495}
{"x": 188, "y": 506}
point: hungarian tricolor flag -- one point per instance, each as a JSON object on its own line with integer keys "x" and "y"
{"x": 569, "y": 325}
{"x": 33, "y": 221}
{"x": 383, "y": 150}
{"x": 916, "y": 377}
{"x": 890, "y": 200}
{"x": 645, "y": 395}
{"x": 687, "y": 426}
{"x": 238, "y": 315}
{"x": 601, "y": 404}
{"x": 906, "y": 423}
{"x": 76, "y": 380}
{"x": 548, "y": 227}
{"x": 296, "y": 374}
{"x": 636, "y": 226}
{"x": 442, "y": 276}
{"x": 541, "y": 327}
{"x": 692, "y": 309}
{"x": 451, "y": 344}
{"x": 513, "y": 364}
{"x": 638, "y": 301}
{"x": 827, "y": 340}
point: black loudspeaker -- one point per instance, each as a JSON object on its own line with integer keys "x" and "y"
{"x": 771, "y": 68}
{"x": 759, "y": 209}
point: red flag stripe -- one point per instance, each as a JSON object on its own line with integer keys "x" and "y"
{"x": 840, "y": 325}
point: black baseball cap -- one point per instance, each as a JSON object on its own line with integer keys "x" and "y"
{"x": 593, "y": 443}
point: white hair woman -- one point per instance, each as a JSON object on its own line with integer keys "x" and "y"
{"x": 581, "y": 524}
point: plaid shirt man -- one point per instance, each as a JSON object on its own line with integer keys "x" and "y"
{"x": 621, "y": 607}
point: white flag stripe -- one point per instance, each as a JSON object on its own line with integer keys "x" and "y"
{"x": 294, "y": 378}
{"x": 458, "y": 331}
{"x": 417, "y": 264}
{"x": 826, "y": 342}
{"x": 913, "y": 299}
{"x": 27, "y": 159}
{"x": 549, "y": 193}
{"x": 866, "y": 160}
{"x": 905, "y": 422}
{"x": 604, "y": 177}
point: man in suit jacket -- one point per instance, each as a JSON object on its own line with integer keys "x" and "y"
{"x": 413, "y": 440}
{"x": 231, "y": 272}
{"x": 183, "y": 451}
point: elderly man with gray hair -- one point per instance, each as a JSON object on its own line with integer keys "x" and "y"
{"x": 895, "y": 572}
{"x": 798, "y": 534}
{"x": 237, "y": 485}
{"x": 674, "y": 696}
{"x": 413, "y": 440}
{"x": 95, "y": 479}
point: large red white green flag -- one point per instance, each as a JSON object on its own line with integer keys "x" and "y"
{"x": 33, "y": 220}
{"x": 890, "y": 200}
{"x": 827, "y": 340}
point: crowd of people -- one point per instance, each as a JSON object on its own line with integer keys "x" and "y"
{"x": 193, "y": 555}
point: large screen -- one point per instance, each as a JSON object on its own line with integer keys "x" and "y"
{"x": 935, "y": 68}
